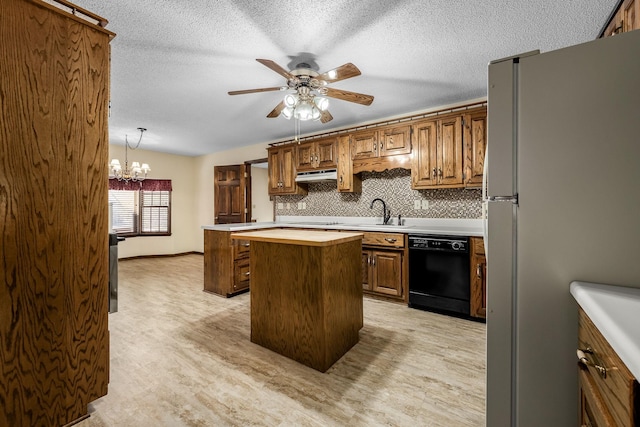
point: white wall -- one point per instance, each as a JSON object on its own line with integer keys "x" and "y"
{"x": 262, "y": 206}
{"x": 181, "y": 171}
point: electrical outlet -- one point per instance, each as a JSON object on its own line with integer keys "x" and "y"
{"x": 280, "y": 205}
{"x": 288, "y": 205}
{"x": 416, "y": 204}
{"x": 425, "y": 204}
{"x": 304, "y": 205}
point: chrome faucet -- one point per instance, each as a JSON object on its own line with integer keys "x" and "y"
{"x": 386, "y": 214}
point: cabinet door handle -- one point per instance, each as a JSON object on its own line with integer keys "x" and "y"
{"x": 340, "y": 179}
{"x": 435, "y": 172}
{"x": 373, "y": 261}
{"x": 369, "y": 260}
{"x": 440, "y": 172}
{"x": 479, "y": 271}
{"x": 390, "y": 239}
{"x": 582, "y": 358}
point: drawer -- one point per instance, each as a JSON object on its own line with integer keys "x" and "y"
{"x": 477, "y": 245}
{"x": 241, "y": 274}
{"x": 241, "y": 249}
{"x": 372, "y": 238}
{"x": 618, "y": 388}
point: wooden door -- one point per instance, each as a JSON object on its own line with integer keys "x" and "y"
{"x": 423, "y": 162}
{"x": 305, "y": 155}
{"x": 275, "y": 171}
{"x": 229, "y": 194}
{"x": 450, "y": 151}
{"x": 395, "y": 140}
{"x": 387, "y": 272}
{"x": 364, "y": 145}
{"x": 347, "y": 181}
{"x": 631, "y": 15}
{"x": 366, "y": 270}
{"x": 287, "y": 170}
{"x": 475, "y": 146}
{"x": 326, "y": 153}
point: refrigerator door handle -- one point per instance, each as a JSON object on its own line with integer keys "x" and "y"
{"x": 513, "y": 199}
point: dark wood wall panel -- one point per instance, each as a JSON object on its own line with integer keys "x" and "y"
{"x": 54, "y": 89}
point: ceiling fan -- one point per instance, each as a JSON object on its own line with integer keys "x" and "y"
{"x": 307, "y": 99}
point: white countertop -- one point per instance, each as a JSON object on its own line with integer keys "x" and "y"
{"x": 615, "y": 311}
{"x": 453, "y": 227}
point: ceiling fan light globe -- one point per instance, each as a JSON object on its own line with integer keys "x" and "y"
{"x": 290, "y": 100}
{"x": 315, "y": 113}
{"x": 287, "y": 113}
{"x": 322, "y": 103}
{"x": 304, "y": 111}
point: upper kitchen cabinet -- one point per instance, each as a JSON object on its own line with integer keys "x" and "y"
{"x": 317, "y": 154}
{"x": 626, "y": 18}
{"x": 347, "y": 181}
{"x": 437, "y": 160}
{"x": 475, "y": 146}
{"x": 388, "y": 141}
{"x": 282, "y": 171}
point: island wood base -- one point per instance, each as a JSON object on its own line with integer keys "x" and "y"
{"x": 306, "y": 300}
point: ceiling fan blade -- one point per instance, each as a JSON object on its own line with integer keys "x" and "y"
{"x": 275, "y": 67}
{"x": 276, "y": 111}
{"x": 345, "y": 95}
{"x": 326, "y": 116}
{"x": 264, "y": 89}
{"x": 345, "y": 71}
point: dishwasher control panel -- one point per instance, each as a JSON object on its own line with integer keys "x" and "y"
{"x": 439, "y": 243}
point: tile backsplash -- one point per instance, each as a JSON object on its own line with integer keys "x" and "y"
{"x": 394, "y": 187}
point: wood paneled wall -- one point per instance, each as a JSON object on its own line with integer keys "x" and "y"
{"x": 54, "y": 93}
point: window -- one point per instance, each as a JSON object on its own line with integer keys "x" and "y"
{"x": 140, "y": 209}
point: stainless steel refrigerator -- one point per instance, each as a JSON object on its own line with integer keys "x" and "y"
{"x": 563, "y": 175}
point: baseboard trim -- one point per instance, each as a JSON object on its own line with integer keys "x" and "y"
{"x": 161, "y": 255}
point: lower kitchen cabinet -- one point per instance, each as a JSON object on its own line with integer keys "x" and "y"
{"x": 384, "y": 265}
{"x": 478, "y": 278}
{"x": 226, "y": 264}
{"x": 609, "y": 393}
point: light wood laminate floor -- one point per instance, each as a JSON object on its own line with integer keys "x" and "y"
{"x": 183, "y": 357}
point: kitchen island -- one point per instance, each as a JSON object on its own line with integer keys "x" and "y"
{"x": 306, "y": 293}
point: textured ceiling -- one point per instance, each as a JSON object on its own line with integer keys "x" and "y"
{"x": 173, "y": 61}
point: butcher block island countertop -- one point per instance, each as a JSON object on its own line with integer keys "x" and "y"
{"x": 306, "y": 293}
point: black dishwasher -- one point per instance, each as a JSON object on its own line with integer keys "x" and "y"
{"x": 439, "y": 276}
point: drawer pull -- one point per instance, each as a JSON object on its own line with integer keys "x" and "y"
{"x": 582, "y": 358}
{"x": 390, "y": 239}
{"x": 247, "y": 273}
{"x": 246, "y": 245}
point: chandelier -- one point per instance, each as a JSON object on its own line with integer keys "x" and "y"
{"x": 136, "y": 172}
{"x": 304, "y": 105}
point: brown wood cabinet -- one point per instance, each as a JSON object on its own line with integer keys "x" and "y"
{"x": 381, "y": 142}
{"x": 437, "y": 160}
{"x": 384, "y": 265}
{"x": 626, "y": 18}
{"x": 347, "y": 181}
{"x": 475, "y": 146}
{"x": 317, "y": 154}
{"x": 609, "y": 399}
{"x": 282, "y": 171}
{"x": 226, "y": 264}
{"x": 478, "y": 278}
{"x": 54, "y": 152}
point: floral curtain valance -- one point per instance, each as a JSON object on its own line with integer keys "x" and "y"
{"x": 147, "y": 185}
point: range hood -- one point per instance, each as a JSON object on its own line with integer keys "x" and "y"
{"x": 315, "y": 176}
